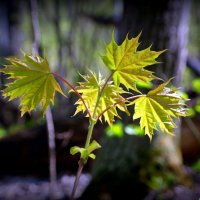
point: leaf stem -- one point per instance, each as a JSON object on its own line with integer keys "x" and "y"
{"x": 90, "y": 130}
{"x": 76, "y": 92}
{"x": 100, "y": 92}
{"x": 119, "y": 102}
{"x": 111, "y": 74}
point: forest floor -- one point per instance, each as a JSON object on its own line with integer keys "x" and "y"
{"x": 29, "y": 188}
{"x": 179, "y": 192}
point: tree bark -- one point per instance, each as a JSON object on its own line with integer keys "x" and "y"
{"x": 165, "y": 25}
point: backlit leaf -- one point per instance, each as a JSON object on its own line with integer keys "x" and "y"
{"x": 33, "y": 82}
{"x": 128, "y": 64}
{"x": 111, "y": 94}
{"x": 157, "y": 109}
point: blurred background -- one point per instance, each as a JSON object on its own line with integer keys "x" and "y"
{"x": 72, "y": 34}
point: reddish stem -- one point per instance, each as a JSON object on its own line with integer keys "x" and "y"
{"x": 78, "y": 175}
{"x": 118, "y": 102}
{"x": 72, "y": 87}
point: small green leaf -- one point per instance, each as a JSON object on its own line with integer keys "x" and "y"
{"x": 33, "y": 82}
{"x": 93, "y": 146}
{"x": 128, "y": 64}
{"x": 86, "y": 152}
{"x": 111, "y": 94}
{"x": 92, "y": 156}
{"x": 75, "y": 149}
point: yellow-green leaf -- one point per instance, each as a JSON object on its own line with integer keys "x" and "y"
{"x": 128, "y": 64}
{"x": 157, "y": 109}
{"x": 90, "y": 88}
{"x": 33, "y": 82}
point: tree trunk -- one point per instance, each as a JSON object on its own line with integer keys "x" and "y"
{"x": 165, "y": 25}
{"x": 49, "y": 117}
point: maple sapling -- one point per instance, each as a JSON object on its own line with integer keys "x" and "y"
{"x": 100, "y": 98}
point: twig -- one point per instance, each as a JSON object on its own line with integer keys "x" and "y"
{"x": 78, "y": 175}
{"x": 119, "y": 102}
{"x": 76, "y": 92}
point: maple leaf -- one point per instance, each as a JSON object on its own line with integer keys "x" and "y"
{"x": 157, "y": 109}
{"x": 90, "y": 89}
{"x": 128, "y": 64}
{"x": 33, "y": 82}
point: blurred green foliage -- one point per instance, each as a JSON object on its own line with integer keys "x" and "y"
{"x": 196, "y": 85}
{"x": 196, "y": 165}
{"x": 3, "y": 132}
{"x": 118, "y": 129}
{"x": 70, "y": 37}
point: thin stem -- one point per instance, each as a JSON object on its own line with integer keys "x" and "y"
{"x": 111, "y": 74}
{"x": 135, "y": 97}
{"x": 90, "y": 128}
{"x": 81, "y": 161}
{"x": 100, "y": 92}
{"x": 78, "y": 175}
{"x": 76, "y": 92}
{"x": 89, "y": 135}
{"x": 119, "y": 102}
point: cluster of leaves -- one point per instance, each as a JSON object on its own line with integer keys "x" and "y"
{"x": 156, "y": 109}
{"x": 33, "y": 83}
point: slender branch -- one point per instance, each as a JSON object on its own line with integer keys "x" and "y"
{"x": 89, "y": 135}
{"x": 78, "y": 175}
{"x": 100, "y": 92}
{"x": 119, "y": 102}
{"x": 82, "y": 162}
{"x": 72, "y": 87}
{"x": 135, "y": 97}
{"x": 111, "y": 74}
{"x": 90, "y": 128}
{"x": 97, "y": 103}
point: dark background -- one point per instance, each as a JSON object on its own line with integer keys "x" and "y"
{"x": 72, "y": 35}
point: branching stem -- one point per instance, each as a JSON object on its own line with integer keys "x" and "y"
{"x": 119, "y": 102}
{"x": 76, "y": 92}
